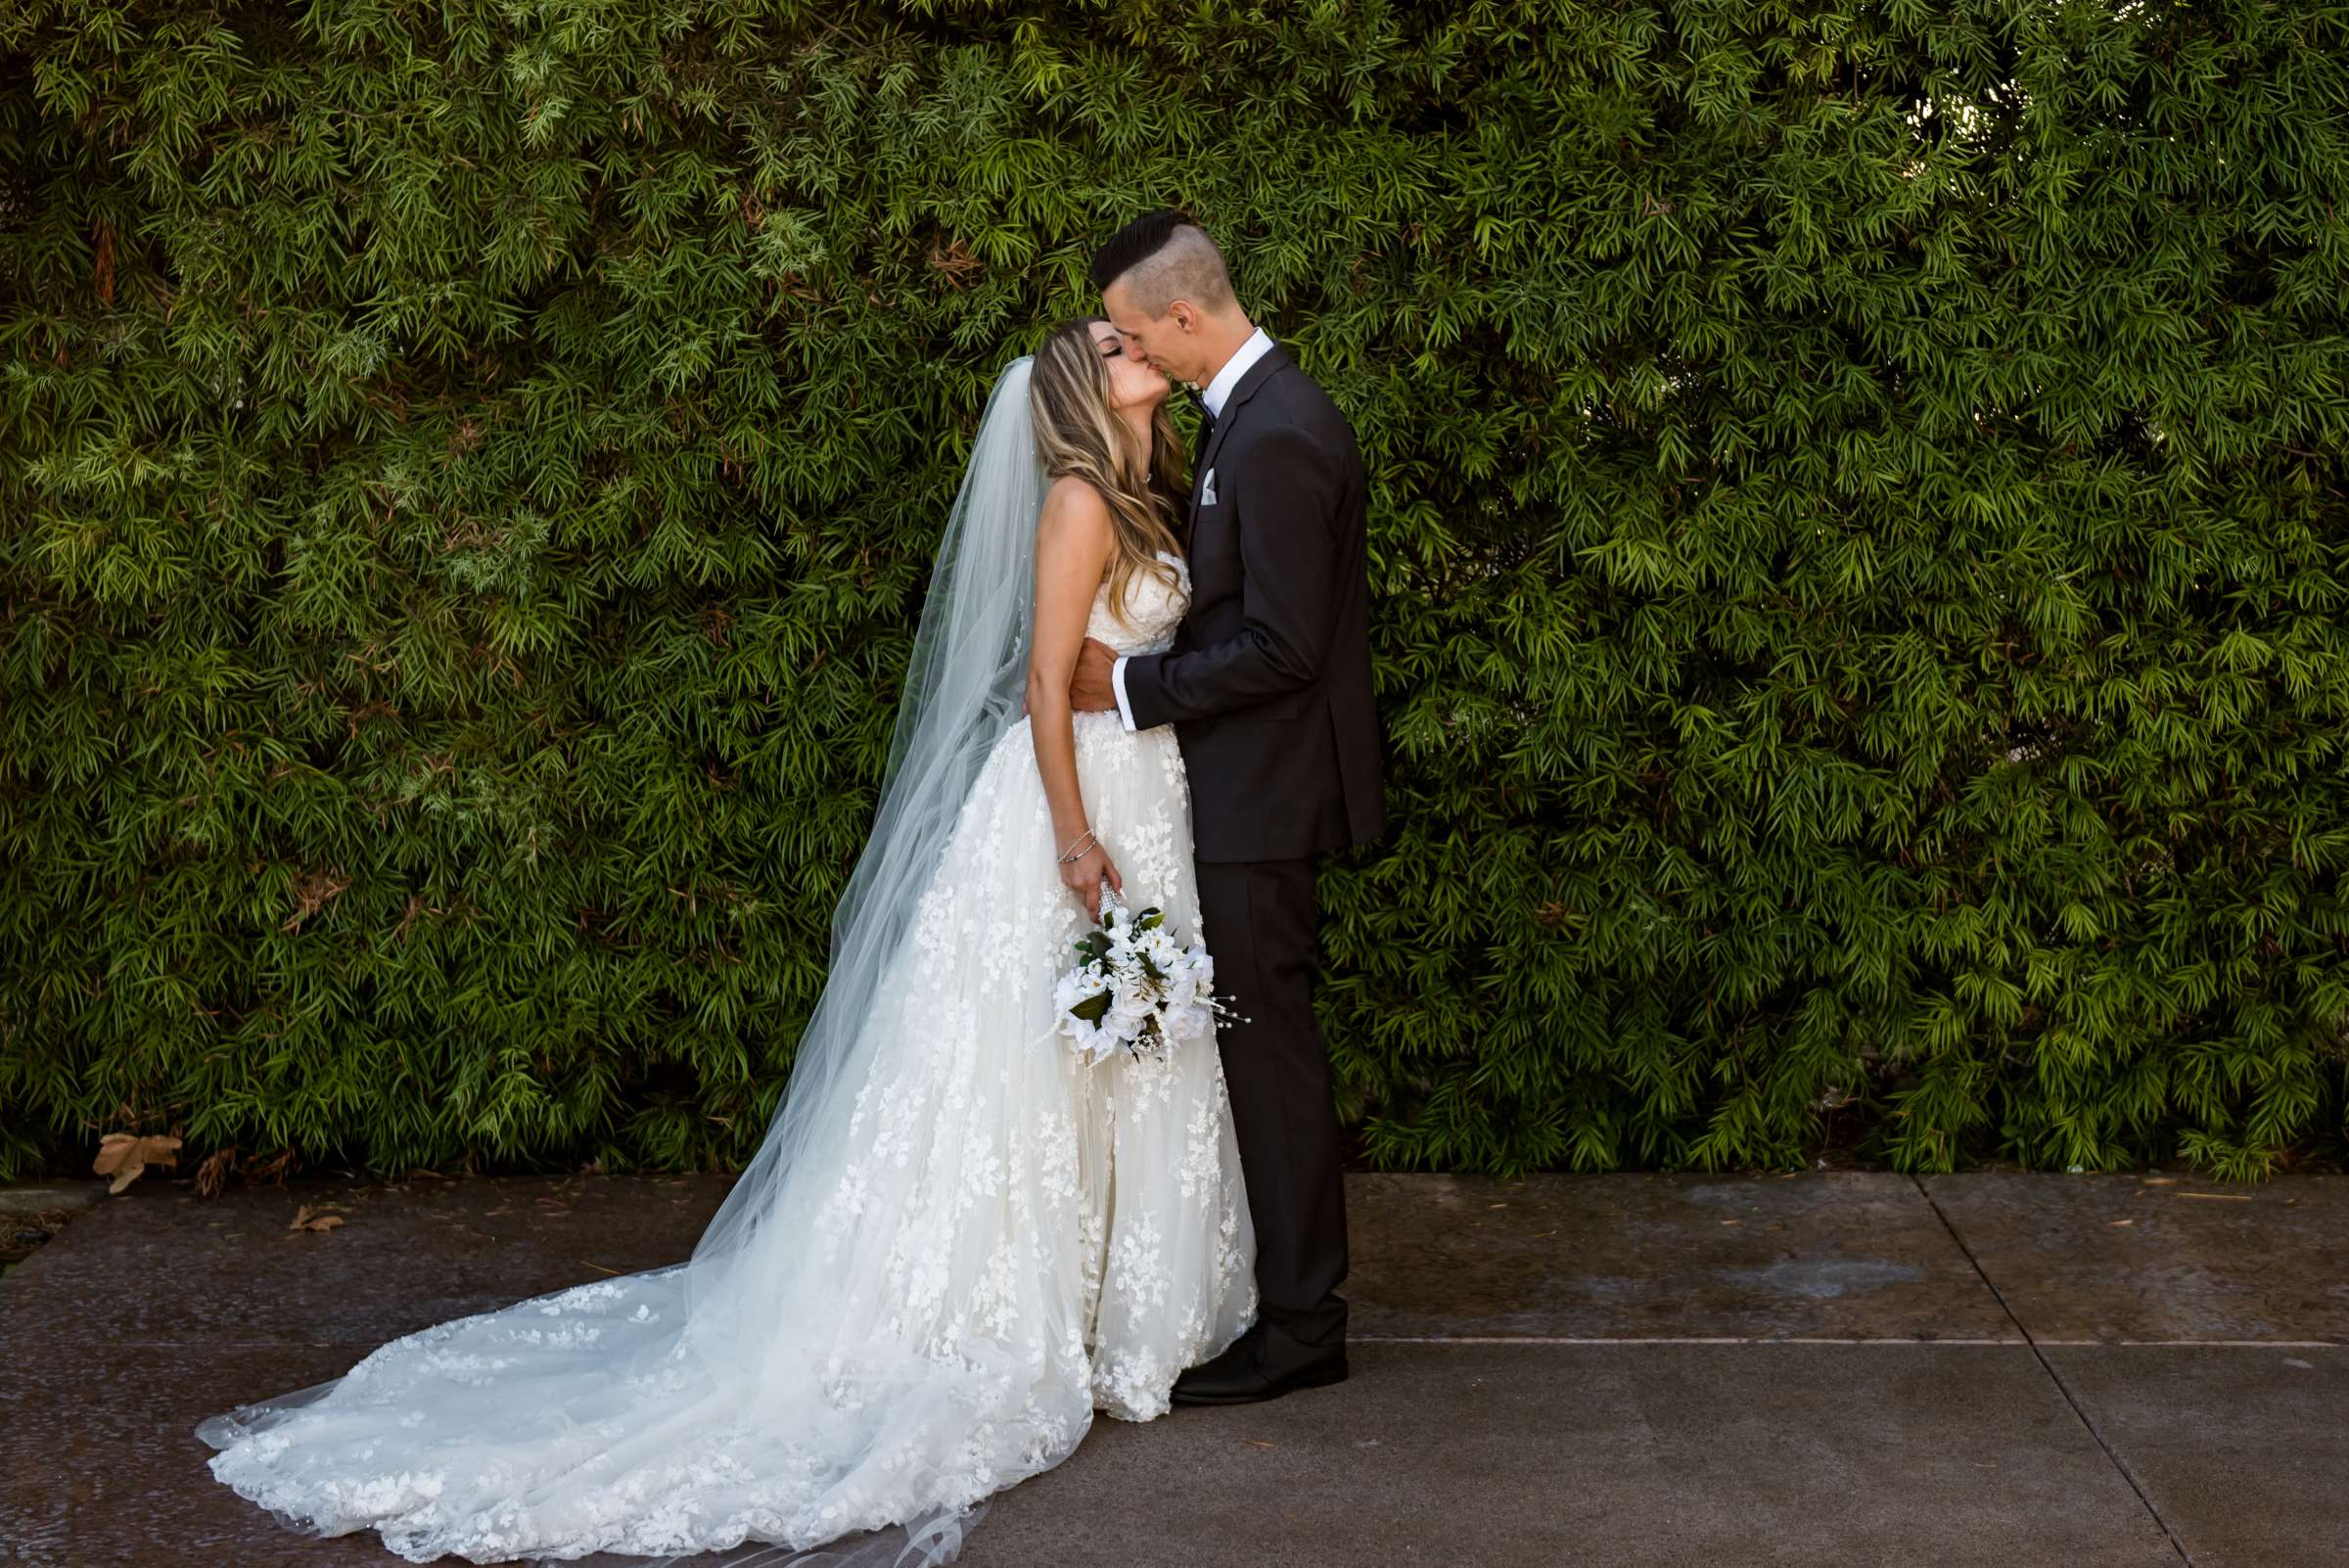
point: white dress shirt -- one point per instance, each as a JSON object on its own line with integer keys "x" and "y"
{"x": 1258, "y": 345}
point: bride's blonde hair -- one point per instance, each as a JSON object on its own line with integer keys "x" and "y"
{"x": 1077, "y": 433}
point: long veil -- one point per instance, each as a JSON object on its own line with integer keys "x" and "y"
{"x": 640, "y": 1396}
{"x": 964, "y": 684}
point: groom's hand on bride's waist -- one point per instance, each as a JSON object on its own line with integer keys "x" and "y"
{"x": 1089, "y": 688}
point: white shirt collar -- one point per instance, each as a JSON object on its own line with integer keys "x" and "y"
{"x": 1255, "y": 348}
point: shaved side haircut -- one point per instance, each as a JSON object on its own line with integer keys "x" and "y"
{"x": 1161, "y": 257}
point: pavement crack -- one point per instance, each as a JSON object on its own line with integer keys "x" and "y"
{"x": 2087, "y": 1422}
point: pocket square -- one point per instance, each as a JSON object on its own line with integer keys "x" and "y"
{"x": 1207, "y": 489}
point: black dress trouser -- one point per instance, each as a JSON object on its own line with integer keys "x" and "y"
{"x": 1258, "y": 920}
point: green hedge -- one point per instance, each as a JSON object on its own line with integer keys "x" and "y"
{"x": 1859, "y": 545}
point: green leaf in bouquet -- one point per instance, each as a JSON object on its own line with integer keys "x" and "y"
{"x": 1093, "y": 1008}
{"x": 1150, "y": 1042}
{"x": 1150, "y": 919}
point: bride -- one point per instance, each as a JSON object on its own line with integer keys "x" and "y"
{"x": 956, "y": 1241}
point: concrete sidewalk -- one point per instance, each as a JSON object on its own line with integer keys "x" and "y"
{"x": 2002, "y": 1370}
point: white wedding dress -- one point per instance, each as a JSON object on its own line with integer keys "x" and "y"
{"x": 1005, "y": 1240}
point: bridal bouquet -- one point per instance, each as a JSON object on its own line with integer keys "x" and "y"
{"x": 1133, "y": 987}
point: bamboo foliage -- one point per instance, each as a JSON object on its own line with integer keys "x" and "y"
{"x": 1857, "y": 548}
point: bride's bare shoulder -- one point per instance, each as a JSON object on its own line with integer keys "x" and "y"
{"x": 1075, "y": 490}
{"x": 1073, "y": 507}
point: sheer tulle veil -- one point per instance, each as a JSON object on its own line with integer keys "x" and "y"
{"x": 738, "y": 1351}
{"x": 964, "y": 685}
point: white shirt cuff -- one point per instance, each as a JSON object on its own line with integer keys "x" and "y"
{"x": 1117, "y": 684}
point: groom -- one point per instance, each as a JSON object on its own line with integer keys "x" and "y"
{"x": 1267, "y": 685}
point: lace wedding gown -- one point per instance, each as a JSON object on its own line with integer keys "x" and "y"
{"x": 1007, "y": 1240}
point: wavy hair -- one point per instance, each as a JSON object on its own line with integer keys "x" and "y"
{"x": 1078, "y": 434}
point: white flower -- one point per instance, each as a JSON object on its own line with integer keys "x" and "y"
{"x": 1127, "y": 1014}
{"x": 1162, "y": 949}
{"x": 1188, "y": 1022}
{"x": 1183, "y": 988}
{"x": 1079, "y": 985}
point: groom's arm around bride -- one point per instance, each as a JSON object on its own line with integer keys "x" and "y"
{"x": 1267, "y": 685}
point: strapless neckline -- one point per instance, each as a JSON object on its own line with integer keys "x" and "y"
{"x": 1155, "y": 609}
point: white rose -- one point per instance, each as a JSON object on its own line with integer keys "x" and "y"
{"x": 1189, "y": 1022}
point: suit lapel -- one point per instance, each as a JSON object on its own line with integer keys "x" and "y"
{"x": 1257, "y": 374}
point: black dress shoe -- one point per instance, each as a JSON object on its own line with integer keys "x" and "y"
{"x": 1263, "y": 1364}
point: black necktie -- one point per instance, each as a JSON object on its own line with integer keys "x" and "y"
{"x": 1207, "y": 415}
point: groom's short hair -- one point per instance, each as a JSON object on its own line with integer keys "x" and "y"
{"x": 1164, "y": 256}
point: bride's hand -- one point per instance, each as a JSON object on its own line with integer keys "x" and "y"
{"x": 1084, "y": 875}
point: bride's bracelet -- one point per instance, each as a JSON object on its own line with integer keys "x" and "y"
{"x": 1076, "y": 851}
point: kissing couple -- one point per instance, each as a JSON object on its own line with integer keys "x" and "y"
{"x": 959, "y": 1237}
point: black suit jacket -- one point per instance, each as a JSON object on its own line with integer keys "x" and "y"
{"x": 1268, "y": 683}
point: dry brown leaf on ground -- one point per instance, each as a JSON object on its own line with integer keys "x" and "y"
{"x": 212, "y": 1176}
{"x": 304, "y": 1219}
{"x": 123, "y": 1155}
